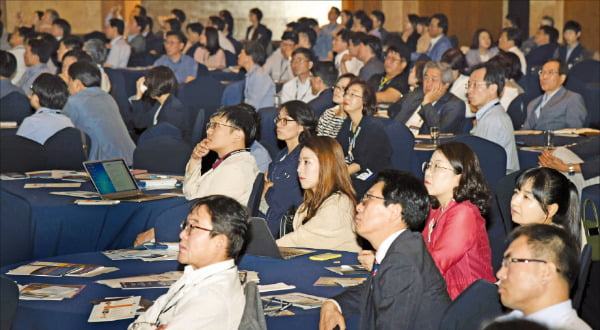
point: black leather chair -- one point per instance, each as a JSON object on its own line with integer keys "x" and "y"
{"x": 256, "y": 194}
{"x": 18, "y": 154}
{"x": 15, "y": 107}
{"x": 478, "y": 303}
{"x": 67, "y": 149}
{"x": 403, "y": 142}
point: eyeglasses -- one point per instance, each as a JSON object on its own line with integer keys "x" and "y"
{"x": 282, "y": 121}
{"x": 475, "y": 84}
{"x": 366, "y": 197}
{"x": 507, "y": 261}
{"x": 433, "y": 167}
{"x": 353, "y": 95}
{"x": 550, "y": 73}
{"x": 216, "y": 125}
{"x": 185, "y": 225}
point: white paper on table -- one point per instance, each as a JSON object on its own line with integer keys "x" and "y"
{"x": 115, "y": 310}
{"x": 275, "y": 287}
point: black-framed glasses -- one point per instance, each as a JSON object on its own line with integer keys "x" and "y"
{"x": 366, "y": 197}
{"x": 274, "y": 306}
{"x": 475, "y": 84}
{"x": 185, "y": 225}
{"x": 507, "y": 261}
{"x": 216, "y": 125}
{"x": 433, "y": 167}
{"x": 282, "y": 121}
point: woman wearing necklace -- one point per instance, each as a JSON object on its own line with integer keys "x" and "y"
{"x": 455, "y": 232}
{"x": 366, "y": 146}
{"x": 295, "y": 123}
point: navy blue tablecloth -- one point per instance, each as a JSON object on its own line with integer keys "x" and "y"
{"x": 35, "y": 224}
{"x": 73, "y": 313}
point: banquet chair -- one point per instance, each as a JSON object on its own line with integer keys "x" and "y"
{"x": 402, "y": 142}
{"x": 253, "y": 317}
{"x": 478, "y": 303}
{"x": 9, "y": 300}
{"x": 492, "y": 158}
{"x": 161, "y": 129}
{"x": 162, "y": 154}
{"x": 579, "y": 289}
{"x": 268, "y": 136}
{"x": 166, "y": 225}
{"x": 584, "y": 78}
{"x": 21, "y": 155}
{"x": 15, "y": 107}
{"x": 234, "y": 93}
{"x": 204, "y": 92}
{"x": 256, "y": 194}
{"x": 67, "y": 149}
{"x": 517, "y": 111}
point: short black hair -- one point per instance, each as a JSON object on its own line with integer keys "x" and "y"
{"x": 142, "y": 10}
{"x": 26, "y": 32}
{"x": 180, "y": 36}
{"x": 229, "y": 218}
{"x": 551, "y": 32}
{"x": 402, "y": 50}
{"x": 310, "y": 34}
{"x": 141, "y": 21}
{"x": 309, "y": 54}
{"x": 326, "y": 71}
{"x": 511, "y": 64}
{"x": 174, "y": 24}
{"x": 364, "y": 19}
{"x": 41, "y": 47}
{"x": 53, "y": 14}
{"x": 160, "y": 80}
{"x": 256, "y": 51}
{"x": 179, "y": 14}
{"x": 64, "y": 25}
{"x": 51, "y": 90}
{"x": 442, "y": 21}
{"x": 356, "y": 38}
{"x": 304, "y": 116}
{"x": 573, "y": 26}
{"x": 257, "y": 12}
{"x": 475, "y": 41}
{"x": 195, "y": 27}
{"x": 494, "y": 74}
{"x": 563, "y": 67}
{"x": 345, "y": 34}
{"x": 228, "y": 19}
{"x": 217, "y": 21}
{"x": 86, "y": 72}
{"x": 514, "y": 20}
{"x": 553, "y": 244}
{"x": 380, "y": 16}
{"x": 290, "y": 35}
{"x": 72, "y": 42}
{"x": 78, "y": 54}
{"x": 150, "y": 23}
{"x": 375, "y": 44}
{"x": 400, "y": 187}
{"x": 118, "y": 23}
{"x": 456, "y": 59}
{"x": 8, "y": 64}
{"x": 513, "y": 34}
{"x": 244, "y": 117}
{"x": 308, "y": 22}
{"x": 336, "y": 9}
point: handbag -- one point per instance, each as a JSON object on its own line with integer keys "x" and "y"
{"x": 286, "y": 223}
{"x": 591, "y": 228}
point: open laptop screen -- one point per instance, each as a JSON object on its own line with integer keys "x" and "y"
{"x": 110, "y": 176}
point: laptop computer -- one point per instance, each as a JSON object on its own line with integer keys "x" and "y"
{"x": 262, "y": 243}
{"x": 113, "y": 181}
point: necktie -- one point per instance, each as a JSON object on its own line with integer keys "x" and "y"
{"x": 539, "y": 109}
{"x": 375, "y": 268}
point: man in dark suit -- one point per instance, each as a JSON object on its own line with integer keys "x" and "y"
{"x": 546, "y": 40}
{"x": 405, "y": 289}
{"x": 558, "y": 107}
{"x": 572, "y": 52}
{"x": 435, "y": 106}
{"x": 438, "y": 27}
{"x": 321, "y": 84}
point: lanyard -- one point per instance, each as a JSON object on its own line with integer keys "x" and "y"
{"x": 383, "y": 82}
{"x": 352, "y": 143}
{"x": 301, "y": 98}
{"x": 221, "y": 160}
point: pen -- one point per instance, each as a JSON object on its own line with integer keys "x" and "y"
{"x": 117, "y": 306}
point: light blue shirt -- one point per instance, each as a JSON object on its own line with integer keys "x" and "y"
{"x": 43, "y": 124}
{"x": 561, "y": 316}
{"x": 261, "y": 154}
{"x": 185, "y": 67}
{"x": 494, "y": 124}
{"x": 259, "y": 89}
{"x": 30, "y": 75}
{"x": 96, "y": 113}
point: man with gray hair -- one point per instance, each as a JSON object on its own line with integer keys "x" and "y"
{"x": 433, "y": 105}
{"x": 97, "y": 50}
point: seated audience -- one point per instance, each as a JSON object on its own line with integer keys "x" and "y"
{"x": 532, "y": 43}
{"x": 344, "y": 61}
{"x": 259, "y": 89}
{"x": 295, "y": 123}
{"x": 96, "y": 113}
{"x": 328, "y": 32}
{"x": 572, "y": 52}
{"x": 347, "y": 19}
{"x": 14, "y": 103}
{"x": 227, "y": 31}
{"x": 546, "y": 40}
{"x": 66, "y": 44}
{"x": 278, "y": 64}
{"x": 558, "y": 107}
{"x": 60, "y": 29}
{"x": 493, "y": 123}
{"x": 458, "y": 62}
{"x": 257, "y": 31}
{"x": 510, "y": 41}
{"x": 539, "y": 267}
{"x": 119, "y": 52}
{"x": 378, "y": 19}
{"x": 321, "y": 84}
{"x": 424, "y": 40}
{"x": 455, "y": 232}
{"x": 224, "y": 42}
{"x": 362, "y": 22}
{"x": 543, "y": 195}
{"x": 434, "y": 106}
{"x": 17, "y": 41}
{"x": 482, "y": 48}
{"x": 331, "y": 120}
{"x": 439, "y": 44}
{"x": 299, "y": 88}
{"x": 405, "y": 289}
{"x": 209, "y": 294}
{"x": 37, "y": 54}
{"x": 369, "y": 53}
{"x": 69, "y": 58}
{"x": 184, "y": 67}
{"x": 410, "y": 36}
{"x": 211, "y": 54}
{"x": 192, "y": 33}
{"x": 98, "y": 52}
{"x": 158, "y": 87}
{"x": 393, "y": 83}
{"x": 324, "y": 220}
{"x": 49, "y": 95}
{"x": 512, "y": 73}
{"x": 306, "y": 35}
{"x": 135, "y": 38}
{"x": 366, "y": 145}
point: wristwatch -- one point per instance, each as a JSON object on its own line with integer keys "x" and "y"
{"x": 571, "y": 170}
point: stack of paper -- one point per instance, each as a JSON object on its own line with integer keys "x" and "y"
{"x": 339, "y": 281}
{"x": 144, "y": 281}
{"x": 112, "y": 309}
{"x": 349, "y": 270}
{"x": 299, "y": 299}
{"x": 170, "y": 253}
{"x": 57, "y": 269}
{"x": 41, "y": 291}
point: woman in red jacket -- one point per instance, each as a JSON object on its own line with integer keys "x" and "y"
{"x": 455, "y": 232}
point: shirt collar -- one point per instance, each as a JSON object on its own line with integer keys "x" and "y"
{"x": 436, "y": 39}
{"x": 254, "y": 68}
{"x": 385, "y": 245}
{"x": 194, "y": 275}
{"x": 481, "y": 112}
{"x": 552, "y": 94}
{"x": 114, "y": 41}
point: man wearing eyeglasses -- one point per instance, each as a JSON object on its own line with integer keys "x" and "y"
{"x": 405, "y": 289}
{"x": 558, "y": 107}
{"x": 209, "y": 294}
{"x": 299, "y": 88}
{"x": 539, "y": 266}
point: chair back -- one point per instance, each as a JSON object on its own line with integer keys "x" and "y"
{"x": 268, "y": 136}
{"x": 204, "y": 92}
{"x": 67, "y": 149}
{"x": 517, "y": 110}
{"x": 160, "y": 130}
{"x": 162, "y": 154}
{"x": 21, "y": 155}
{"x": 585, "y": 265}
{"x": 584, "y": 79}
{"x": 230, "y": 58}
{"x": 403, "y": 142}
{"x": 199, "y": 129}
{"x": 256, "y": 194}
{"x": 9, "y": 300}
{"x": 253, "y": 317}
{"x": 166, "y": 225}
{"x": 15, "y": 107}
{"x": 492, "y": 158}
{"x": 234, "y": 93}
{"x": 478, "y": 303}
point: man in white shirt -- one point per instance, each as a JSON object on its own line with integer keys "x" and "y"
{"x": 209, "y": 294}
{"x": 119, "y": 52}
{"x": 539, "y": 266}
{"x": 278, "y": 64}
{"x": 510, "y": 41}
{"x": 17, "y": 42}
{"x": 299, "y": 88}
{"x": 344, "y": 61}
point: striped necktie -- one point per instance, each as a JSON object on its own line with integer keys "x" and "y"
{"x": 375, "y": 268}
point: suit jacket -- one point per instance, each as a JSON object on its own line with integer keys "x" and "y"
{"x": 539, "y": 55}
{"x": 588, "y": 151}
{"x": 577, "y": 55}
{"x": 448, "y": 113}
{"x": 440, "y": 47}
{"x": 322, "y": 102}
{"x": 564, "y": 110}
{"x": 262, "y": 34}
{"x": 408, "y": 291}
